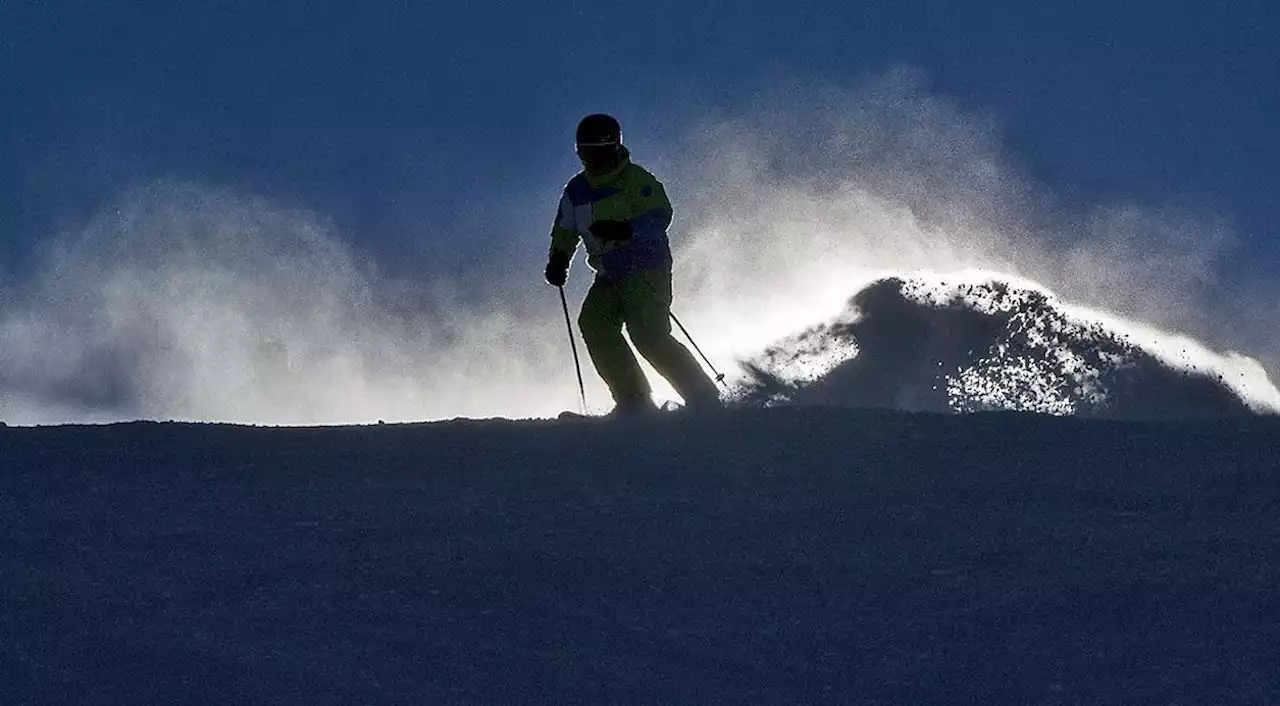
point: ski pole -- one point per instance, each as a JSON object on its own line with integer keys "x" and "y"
{"x": 719, "y": 375}
{"x": 577, "y": 366}
{"x": 685, "y": 331}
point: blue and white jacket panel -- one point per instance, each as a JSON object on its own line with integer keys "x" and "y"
{"x": 627, "y": 193}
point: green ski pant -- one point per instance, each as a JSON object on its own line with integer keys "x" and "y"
{"x": 641, "y": 303}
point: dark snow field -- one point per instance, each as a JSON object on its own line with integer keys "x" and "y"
{"x": 783, "y": 555}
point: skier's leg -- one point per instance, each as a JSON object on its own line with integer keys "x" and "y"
{"x": 601, "y": 323}
{"x": 646, "y": 301}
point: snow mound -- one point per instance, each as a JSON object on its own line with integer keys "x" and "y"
{"x": 913, "y": 345}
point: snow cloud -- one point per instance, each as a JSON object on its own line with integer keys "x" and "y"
{"x": 189, "y": 301}
{"x": 796, "y": 203}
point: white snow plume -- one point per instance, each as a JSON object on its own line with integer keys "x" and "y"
{"x": 947, "y": 346}
{"x": 189, "y": 302}
{"x": 787, "y": 208}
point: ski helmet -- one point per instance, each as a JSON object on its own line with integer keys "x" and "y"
{"x": 598, "y": 130}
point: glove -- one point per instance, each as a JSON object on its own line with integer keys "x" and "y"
{"x": 557, "y": 271}
{"x": 611, "y": 231}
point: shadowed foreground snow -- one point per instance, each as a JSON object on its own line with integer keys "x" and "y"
{"x": 770, "y": 556}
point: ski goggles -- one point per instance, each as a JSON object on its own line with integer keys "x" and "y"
{"x": 611, "y": 143}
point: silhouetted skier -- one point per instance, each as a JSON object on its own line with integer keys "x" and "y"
{"x": 620, "y": 213}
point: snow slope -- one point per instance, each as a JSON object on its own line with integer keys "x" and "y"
{"x": 785, "y": 555}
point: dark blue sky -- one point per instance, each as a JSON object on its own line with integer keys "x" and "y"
{"x": 391, "y": 115}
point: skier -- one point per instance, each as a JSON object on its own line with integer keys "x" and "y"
{"x": 620, "y": 213}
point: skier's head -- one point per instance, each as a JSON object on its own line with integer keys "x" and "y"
{"x": 599, "y": 142}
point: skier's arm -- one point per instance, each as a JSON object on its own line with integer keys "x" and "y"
{"x": 564, "y": 241}
{"x": 564, "y": 233}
